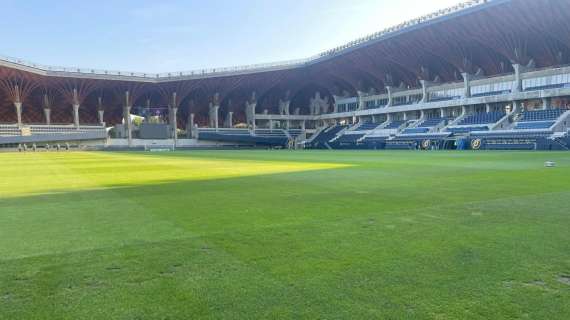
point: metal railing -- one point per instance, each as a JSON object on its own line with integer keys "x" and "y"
{"x": 402, "y": 26}
{"x": 165, "y": 75}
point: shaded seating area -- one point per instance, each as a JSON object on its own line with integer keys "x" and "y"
{"x": 294, "y": 132}
{"x": 425, "y": 126}
{"x": 366, "y": 126}
{"x": 50, "y": 137}
{"x": 490, "y": 93}
{"x": 265, "y": 137}
{"x": 415, "y": 130}
{"x": 468, "y": 129}
{"x": 542, "y": 115}
{"x": 348, "y": 141}
{"x": 270, "y": 133}
{"x": 482, "y": 118}
{"x": 326, "y": 135}
{"x": 50, "y": 133}
{"x": 480, "y": 121}
{"x": 534, "y": 125}
{"x": 538, "y": 119}
{"x": 395, "y": 124}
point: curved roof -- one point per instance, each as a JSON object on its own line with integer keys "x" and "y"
{"x": 394, "y": 31}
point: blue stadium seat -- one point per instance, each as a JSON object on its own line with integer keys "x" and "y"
{"x": 432, "y": 122}
{"x": 394, "y": 124}
{"x": 415, "y": 130}
{"x": 482, "y": 118}
{"x": 349, "y": 138}
{"x": 366, "y": 126}
{"x": 467, "y": 129}
{"x": 541, "y": 115}
{"x": 533, "y": 125}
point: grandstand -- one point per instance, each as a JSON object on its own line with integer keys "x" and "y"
{"x": 197, "y": 212}
{"x": 403, "y": 81}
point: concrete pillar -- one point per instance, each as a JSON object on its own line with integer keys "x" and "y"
{"x": 405, "y": 116}
{"x": 284, "y": 106}
{"x": 466, "y": 84}
{"x": 335, "y": 105}
{"x": 127, "y": 118}
{"x": 270, "y": 124}
{"x": 230, "y": 119}
{"x": 518, "y": 79}
{"x": 424, "y": 91}
{"x": 303, "y": 125}
{"x": 100, "y": 111}
{"x": 76, "y": 115}
{"x": 101, "y": 114}
{"x": 515, "y": 107}
{"x": 545, "y": 103}
{"x": 360, "y": 100}
{"x": 463, "y": 110}
{"x": 47, "y": 115}
{"x": 442, "y": 112}
{"x": 389, "y": 89}
{"x": 190, "y": 126}
{"x": 216, "y": 117}
{"x": 487, "y": 107}
{"x": 18, "y": 106}
{"x": 250, "y": 106}
{"x": 422, "y": 114}
{"x": 127, "y": 123}
{"x": 389, "y": 117}
{"x": 174, "y": 124}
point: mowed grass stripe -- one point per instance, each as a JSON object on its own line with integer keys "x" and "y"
{"x": 36, "y": 173}
{"x": 377, "y": 235}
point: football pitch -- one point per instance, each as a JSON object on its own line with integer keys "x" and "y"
{"x": 284, "y": 235}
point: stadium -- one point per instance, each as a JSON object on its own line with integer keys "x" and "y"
{"x": 419, "y": 172}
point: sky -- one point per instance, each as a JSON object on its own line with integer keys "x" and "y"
{"x": 179, "y": 35}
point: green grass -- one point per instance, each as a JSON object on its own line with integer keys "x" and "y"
{"x": 288, "y": 235}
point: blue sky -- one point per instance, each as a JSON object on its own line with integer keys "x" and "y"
{"x": 178, "y": 35}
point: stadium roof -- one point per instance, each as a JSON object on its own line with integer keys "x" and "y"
{"x": 408, "y": 26}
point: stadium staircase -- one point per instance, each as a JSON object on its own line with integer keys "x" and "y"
{"x": 321, "y": 139}
{"x": 562, "y": 140}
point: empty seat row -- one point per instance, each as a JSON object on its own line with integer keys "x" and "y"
{"x": 482, "y": 118}
{"x": 467, "y": 129}
{"x": 394, "y": 124}
{"x": 241, "y": 137}
{"x": 541, "y": 115}
{"x": 432, "y": 122}
{"x": 534, "y": 125}
{"x": 349, "y": 138}
{"x": 366, "y": 126}
{"x": 294, "y": 132}
{"x": 490, "y": 93}
{"x": 234, "y": 131}
{"x": 415, "y": 130}
{"x": 269, "y": 133}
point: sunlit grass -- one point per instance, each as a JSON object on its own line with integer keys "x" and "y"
{"x": 36, "y": 173}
